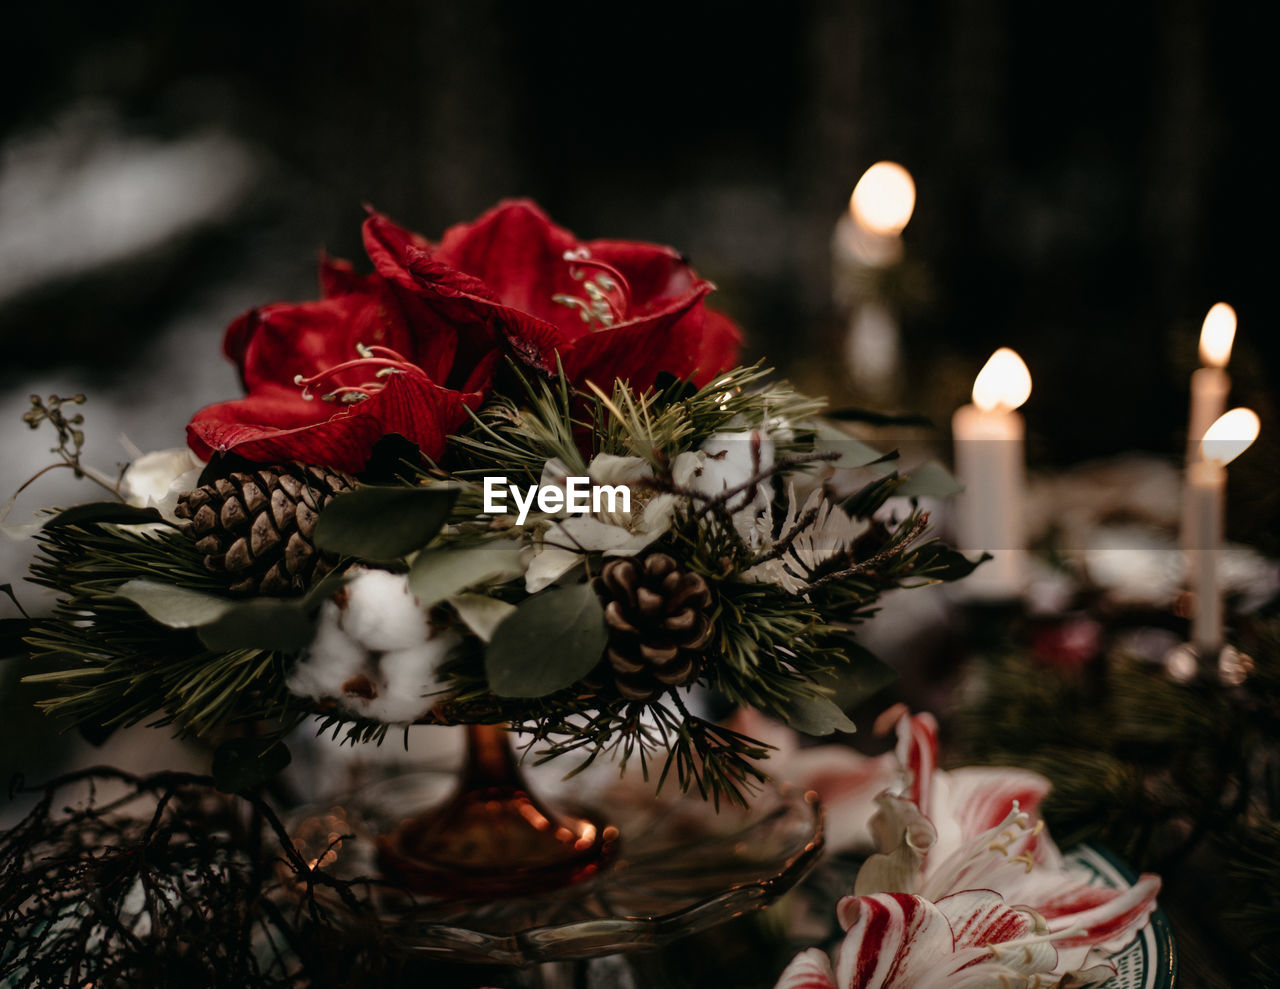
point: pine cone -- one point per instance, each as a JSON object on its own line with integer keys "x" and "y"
{"x": 658, "y": 623}
{"x": 257, "y": 527}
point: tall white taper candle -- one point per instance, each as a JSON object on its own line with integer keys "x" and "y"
{"x": 990, "y": 463}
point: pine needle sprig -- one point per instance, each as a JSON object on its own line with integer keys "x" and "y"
{"x": 117, "y": 666}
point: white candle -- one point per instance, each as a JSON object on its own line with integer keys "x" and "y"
{"x": 868, "y": 239}
{"x": 1224, "y": 440}
{"x": 990, "y": 463}
{"x": 1210, "y": 384}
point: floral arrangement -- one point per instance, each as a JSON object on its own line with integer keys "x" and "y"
{"x": 963, "y": 885}
{"x": 512, "y": 477}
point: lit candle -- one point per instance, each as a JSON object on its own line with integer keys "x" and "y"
{"x": 1224, "y": 440}
{"x": 868, "y": 239}
{"x": 1210, "y": 384}
{"x": 1209, "y": 387}
{"x": 990, "y": 464}
{"x": 880, "y": 208}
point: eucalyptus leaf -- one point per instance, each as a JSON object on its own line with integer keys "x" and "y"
{"x": 818, "y": 716}
{"x": 105, "y": 511}
{"x": 177, "y": 607}
{"x": 280, "y": 624}
{"x": 860, "y": 677}
{"x": 853, "y": 452}
{"x": 929, "y": 480}
{"x": 246, "y": 763}
{"x": 383, "y": 523}
{"x": 442, "y": 573}
{"x": 481, "y": 613}
{"x": 552, "y": 640}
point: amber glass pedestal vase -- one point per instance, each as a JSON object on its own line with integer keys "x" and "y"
{"x": 493, "y": 837}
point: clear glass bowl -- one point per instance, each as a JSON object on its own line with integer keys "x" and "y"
{"x": 681, "y": 867}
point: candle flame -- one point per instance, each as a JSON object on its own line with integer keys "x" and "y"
{"x": 1217, "y": 335}
{"x": 884, "y": 198}
{"x": 1229, "y": 436}
{"x": 1004, "y": 382}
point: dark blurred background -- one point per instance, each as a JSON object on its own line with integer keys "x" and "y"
{"x": 1091, "y": 180}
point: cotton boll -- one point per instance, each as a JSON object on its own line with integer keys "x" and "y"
{"x": 381, "y": 614}
{"x": 726, "y": 461}
{"x": 331, "y": 660}
{"x": 732, "y": 459}
{"x": 409, "y": 685}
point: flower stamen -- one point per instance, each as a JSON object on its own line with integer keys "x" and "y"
{"x": 608, "y": 294}
{"x": 382, "y": 361}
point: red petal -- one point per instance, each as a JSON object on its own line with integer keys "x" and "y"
{"x": 518, "y": 253}
{"x": 439, "y": 297}
{"x": 339, "y": 277}
{"x": 270, "y": 427}
{"x": 638, "y": 350}
{"x": 391, "y": 247}
{"x": 720, "y": 348}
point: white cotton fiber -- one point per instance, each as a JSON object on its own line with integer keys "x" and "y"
{"x": 332, "y": 658}
{"x": 381, "y": 614}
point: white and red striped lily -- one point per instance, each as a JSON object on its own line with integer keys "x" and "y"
{"x": 979, "y": 828}
{"x": 902, "y": 941}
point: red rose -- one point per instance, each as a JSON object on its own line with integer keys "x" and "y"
{"x": 611, "y": 309}
{"x": 407, "y": 349}
{"x": 326, "y": 380}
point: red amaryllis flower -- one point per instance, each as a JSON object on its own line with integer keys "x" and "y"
{"x": 407, "y": 349}
{"x": 326, "y": 380}
{"x": 610, "y": 309}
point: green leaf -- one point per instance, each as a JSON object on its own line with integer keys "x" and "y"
{"x": 481, "y": 613}
{"x": 818, "y": 716}
{"x": 442, "y": 573}
{"x": 929, "y": 480}
{"x": 551, "y": 641}
{"x": 881, "y": 419}
{"x": 853, "y": 452}
{"x": 938, "y": 561}
{"x": 105, "y": 511}
{"x": 277, "y": 624}
{"x": 376, "y": 523}
{"x": 245, "y": 763}
{"x": 177, "y": 607}
{"x": 860, "y": 677}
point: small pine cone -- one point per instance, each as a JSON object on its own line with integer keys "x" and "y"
{"x": 658, "y": 623}
{"x": 257, "y": 527}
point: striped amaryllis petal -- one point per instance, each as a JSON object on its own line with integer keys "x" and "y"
{"x": 998, "y": 858}
{"x": 811, "y": 969}
{"x": 917, "y": 751}
{"x": 1015, "y": 936}
{"x": 1108, "y": 919}
{"x": 894, "y": 940}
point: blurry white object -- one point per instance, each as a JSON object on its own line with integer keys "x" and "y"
{"x": 82, "y": 194}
